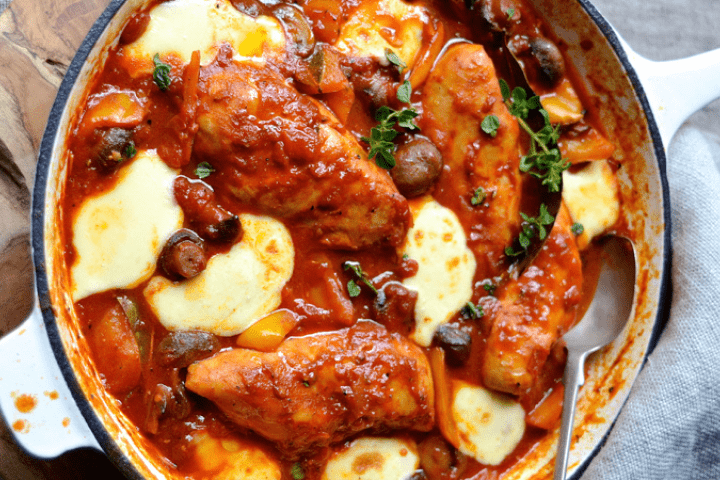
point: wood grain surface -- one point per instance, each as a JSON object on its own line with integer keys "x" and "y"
{"x": 37, "y": 42}
{"x": 38, "y": 39}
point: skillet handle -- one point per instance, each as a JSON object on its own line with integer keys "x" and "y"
{"x": 677, "y": 88}
{"x": 28, "y": 370}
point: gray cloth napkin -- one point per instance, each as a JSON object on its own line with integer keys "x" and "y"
{"x": 670, "y": 425}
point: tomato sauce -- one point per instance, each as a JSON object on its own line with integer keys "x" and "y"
{"x": 317, "y": 292}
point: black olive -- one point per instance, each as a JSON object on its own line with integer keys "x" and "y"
{"x": 418, "y": 165}
{"x": 183, "y": 255}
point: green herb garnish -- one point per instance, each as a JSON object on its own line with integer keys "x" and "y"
{"x": 297, "y": 472}
{"x": 130, "y": 151}
{"x": 541, "y": 161}
{"x": 490, "y": 125}
{"x": 577, "y": 229}
{"x": 204, "y": 169}
{"x": 161, "y": 73}
{"x": 393, "y": 58}
{"x": 353, "y": 287}
{"x": 490, "y": 288}
{"x": 381, "y": 138}
{"x": 478, "y": 197}
{"x": 404, "y": 92}
{"x": 470, "y": 310}
{"x": 510, "y": 12}
{"x": 531, "y": 227}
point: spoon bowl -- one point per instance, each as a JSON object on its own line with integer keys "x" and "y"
{"x": 603, "y": 321}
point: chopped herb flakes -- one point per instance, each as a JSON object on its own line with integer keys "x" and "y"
{"x": 297, "y": 471}
{"x": 161, "y": 73}
{"x": 130, "y": 150}
{"x": 204, "y": 169}
{"x": 470, "y": 310}
{"x": 478, "y": 197}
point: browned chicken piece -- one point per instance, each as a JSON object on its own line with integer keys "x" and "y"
{"x": 320, "y": 389}
{"x": 535, "y": 310}
{"x": 287, "y": 155}
{"x": 461, "y": 91}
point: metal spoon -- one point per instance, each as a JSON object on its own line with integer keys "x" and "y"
{"x": 604, "y": 319}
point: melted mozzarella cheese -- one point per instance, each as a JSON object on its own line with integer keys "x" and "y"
{"x": 372, "y": 458}
{"x": 235, "y": 289}
{"x": 381, "y": 25}
{"x": 118, "y": 235}
{"x": 230, "y": 459}
{"x": 490, "y": 424}
{"x": 180, "y": 27}
{"x": 446, "y": 267}
{"x": 592, "y": 198}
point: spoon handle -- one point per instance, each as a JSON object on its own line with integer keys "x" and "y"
{"x": 572, "y": 380}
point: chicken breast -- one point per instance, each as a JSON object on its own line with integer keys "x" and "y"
{"x": 287, "y": 155}
{"x": 535, "y": 310}
{"x": 461, "y": 91}
{"x": 320, "y": 389}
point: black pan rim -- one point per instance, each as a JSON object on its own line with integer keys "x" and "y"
{"x": 115, "y": 454}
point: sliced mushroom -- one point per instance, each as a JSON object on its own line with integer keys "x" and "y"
{"x": 253, "y": 8}
{"x": 111, "y": 147}
{"x": 455, "y": 342}
{"x": 167, "y": 399}
{"x": 549, "y": 58}
{"x": 180, "y": 349}
{"x": 297, "y": 28}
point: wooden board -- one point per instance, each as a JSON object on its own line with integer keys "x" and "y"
{"x": 37, "y": 42}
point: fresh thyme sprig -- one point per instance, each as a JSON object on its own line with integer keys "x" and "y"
{"x": 543, "y": 159}
{"x": 531, "y": 227}
{"x": 381, "y": 137}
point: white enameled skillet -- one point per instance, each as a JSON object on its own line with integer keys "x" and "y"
{"x": 640, "y": 106}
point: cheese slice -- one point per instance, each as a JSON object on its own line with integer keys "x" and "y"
{"x": 592, "y": 198}
{"x": 236, "y": 289}
{"x": 372, "y": 458}
{"x": 179, "y": 27}
{"x": 446, "y": 267}
{"x": 232, "y": 459}
{"x": 490, "y": 425}
{"x": 118, "y": 235}
{"x": 384, "y": 24}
